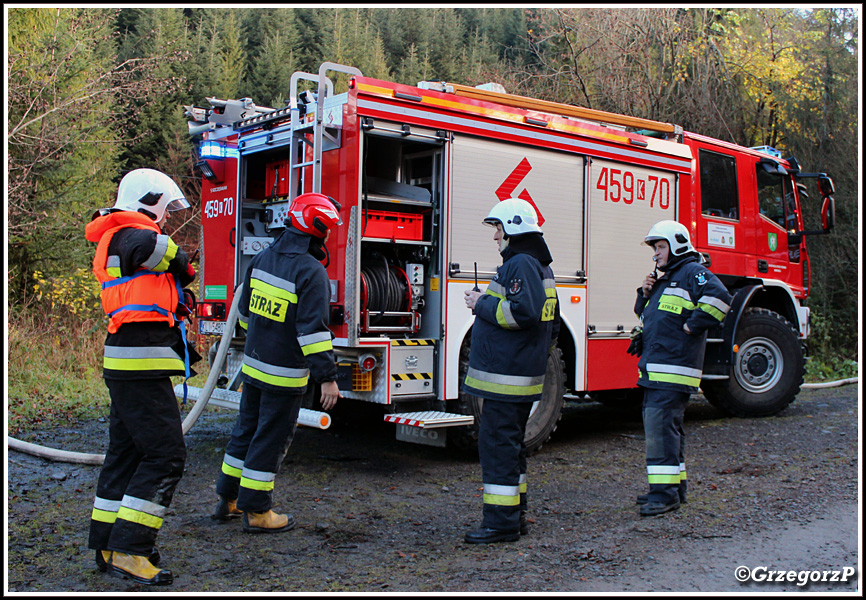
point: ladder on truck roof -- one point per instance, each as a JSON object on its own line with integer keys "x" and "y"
{"x": 566, "y": 110}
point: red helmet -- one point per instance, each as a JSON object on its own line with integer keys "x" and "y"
{"x": 315, "y": 214}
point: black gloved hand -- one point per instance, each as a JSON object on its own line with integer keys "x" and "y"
{"x": 186, "y": 307}
{"x": 635, "y": 348}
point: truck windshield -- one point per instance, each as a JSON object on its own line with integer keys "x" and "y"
{"x": 776, "y": 198}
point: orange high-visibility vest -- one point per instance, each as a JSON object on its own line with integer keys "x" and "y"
{"x": 148, "y": 295}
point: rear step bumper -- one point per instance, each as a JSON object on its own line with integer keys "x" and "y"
{"x": 430, "y": 419}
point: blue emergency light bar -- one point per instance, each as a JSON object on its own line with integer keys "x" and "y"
{"x": 217, "y": 150}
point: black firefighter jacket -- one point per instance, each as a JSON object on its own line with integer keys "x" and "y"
{"x": 516, "y": 324}
{"x": 284, "y": 308}
{"x": 687, "y": 293}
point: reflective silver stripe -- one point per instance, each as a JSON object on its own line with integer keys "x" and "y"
{"x": 306, "y": 340}
{"x": 663, "y": 469}
{"x": 496, "y": 288}
{"x": 715, "y": 303}
{"x": 233, "y": 462}
{"x": 273, "y": 280}
{"x": 505, "y": 307}
{"x": 274, "y": 369}
{"x": 158, "y": 252}
{"x": 549, "y": 284}
{"x": 264, "y": 475}
{"x": 522, "y": 478}
{"x": 515, "y": 380}
{"x": 145, "y": 506}
{"x": 113, "y": 262}
{"x": 140, "y": 352}
{"x": 677, "y": 292}
{"x": 243, "y": 319}
{"x": 682, "y": 466}
{"x": 106, "y": 505}
{"x": 674, "y": 369}
{"x": 503, "y": 490}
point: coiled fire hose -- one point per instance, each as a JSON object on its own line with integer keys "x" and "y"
{"x": 203, "y": 397}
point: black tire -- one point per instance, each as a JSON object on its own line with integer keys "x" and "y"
{"x": 543, "y": 419}
{"x": 768, "y": 368}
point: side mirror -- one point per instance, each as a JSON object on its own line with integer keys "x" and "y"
{"x": 825, "y": 186}
{"x": 828, "y": 211}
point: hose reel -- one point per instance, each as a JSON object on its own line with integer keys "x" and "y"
{"x": 386, "y": 297}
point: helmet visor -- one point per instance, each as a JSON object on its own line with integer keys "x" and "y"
{"x": 177, "y": 204}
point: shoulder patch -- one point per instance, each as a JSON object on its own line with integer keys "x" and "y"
{"x": 515, "y": 285}
{"x": 701, "y": 278}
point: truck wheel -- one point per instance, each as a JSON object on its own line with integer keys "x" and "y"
{"x": 543, "y": 419}
{"x": 767, "y": 371}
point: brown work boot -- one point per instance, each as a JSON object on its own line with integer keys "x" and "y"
{"x": 226, "y": 510}
{"x": 137, "y": 568}
{"x": 102, "y": 555}
{"x": 267, "y": 522}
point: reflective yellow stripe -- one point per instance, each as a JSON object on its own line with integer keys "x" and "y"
{"x": 136, "y": 516}
{"x": 711, "y": 310}
{"x": 267, "y": 288}
{"x": 231, "y": 471}
{"x": 170, "y": 253}
{"x": 664, "y": 479}
{"x": 290, "y": 382}
{"x": 504, "y": 388}
{"x": 103, "y": 516}
{"x": 674, "y": 378}
{"x": 252, "y": 484}
{"x": 500, "y": 500}
{"x": 317, "y": 347}
{"x": 143, "y": 364}
{"x": 683, "y": 475}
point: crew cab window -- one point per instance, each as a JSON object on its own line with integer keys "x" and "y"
{"x": 776, "y": 199}
{"x": 719, "y": 197}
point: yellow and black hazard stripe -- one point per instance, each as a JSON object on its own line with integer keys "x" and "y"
{"x": 411, "y": 376}
{"x": 413, "y": 342}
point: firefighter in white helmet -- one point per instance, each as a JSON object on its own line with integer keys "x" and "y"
{"x": 676, "y": 310}
{"x": 284, "y": 308}
{"x": 142, "y": 272}
{"x": 516, "y": 326}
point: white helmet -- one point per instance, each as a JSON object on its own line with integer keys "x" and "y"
{"x": 516, "y": 216}
{"x": 149, "y": 192}
{"x": 674, "y": 233}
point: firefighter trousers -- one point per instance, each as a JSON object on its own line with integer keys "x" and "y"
{"x": 503, "y": 462}
{"x": 663, "y": 412}
{"x": 260, "y": 438}
{"x": 142, "y": 467}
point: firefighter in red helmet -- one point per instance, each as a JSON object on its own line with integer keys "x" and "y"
{"x": 284, "y": 309}
{"x": 142, "y": 272}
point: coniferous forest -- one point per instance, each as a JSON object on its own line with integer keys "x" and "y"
{"x": 96, "y": 92}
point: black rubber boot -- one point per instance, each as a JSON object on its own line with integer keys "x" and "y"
{"x": 485, "y": 535}
{"x": 651, "y": 509}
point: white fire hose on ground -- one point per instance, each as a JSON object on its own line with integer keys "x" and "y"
{"x": 310, "y": 418}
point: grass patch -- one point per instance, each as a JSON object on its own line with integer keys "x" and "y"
{"x": 54, "y": 371}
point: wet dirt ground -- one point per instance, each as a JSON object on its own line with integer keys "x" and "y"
{"x": 382, "y": 516}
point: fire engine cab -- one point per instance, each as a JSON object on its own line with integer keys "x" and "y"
{"x": 416, "y": 169}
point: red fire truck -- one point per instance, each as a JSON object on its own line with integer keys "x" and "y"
{"x": 416, "y": 169}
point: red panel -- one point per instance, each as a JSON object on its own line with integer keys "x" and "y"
{"x": 609, "y": 366}
{"x": 219, "y": 215}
